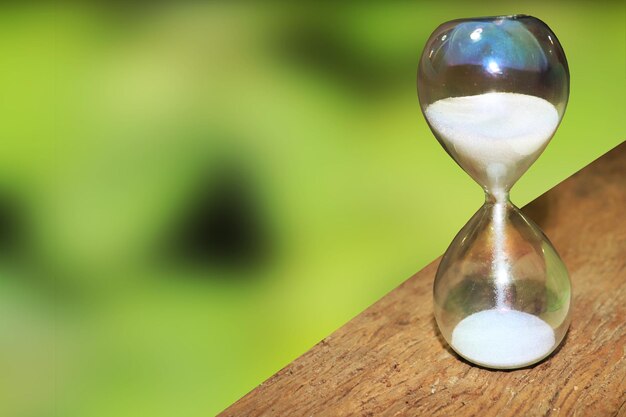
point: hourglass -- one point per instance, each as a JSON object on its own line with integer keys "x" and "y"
{"x": 493, "y": 91}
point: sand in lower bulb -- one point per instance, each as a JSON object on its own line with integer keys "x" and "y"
{"x": 503, "y": 338}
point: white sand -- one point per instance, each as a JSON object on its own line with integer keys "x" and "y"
{"x": 493, "y": 131}
{"x": 503, "y": 339}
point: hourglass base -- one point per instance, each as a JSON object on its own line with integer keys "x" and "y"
{"x": 502, "y": 293}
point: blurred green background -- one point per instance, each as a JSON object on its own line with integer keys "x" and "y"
{"x": 191, "y": 196}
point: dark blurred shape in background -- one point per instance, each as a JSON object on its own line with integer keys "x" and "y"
{"x": 316, "y": 45}
{"x": 193, "y": 195}
{"x": 11, "y": 225}
{"x": 223, "y": 226}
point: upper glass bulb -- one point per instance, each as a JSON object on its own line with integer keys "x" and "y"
{"x": 503, "y": 78}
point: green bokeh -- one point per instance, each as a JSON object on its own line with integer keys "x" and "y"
{"x": 114, "y": 117}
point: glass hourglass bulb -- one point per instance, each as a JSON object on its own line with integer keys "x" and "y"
{"x": 493, "y": 91}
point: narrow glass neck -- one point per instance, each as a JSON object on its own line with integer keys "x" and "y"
{"x": 497, "y": 197}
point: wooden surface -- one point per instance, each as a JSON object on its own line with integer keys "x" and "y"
{"x": 391, "y": 361}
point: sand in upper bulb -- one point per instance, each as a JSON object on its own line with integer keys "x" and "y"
{"x": 493, "y": 131}
{"x": 503, "y": 338}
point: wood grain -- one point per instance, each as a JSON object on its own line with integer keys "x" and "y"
{"x": 391, "y": 361}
